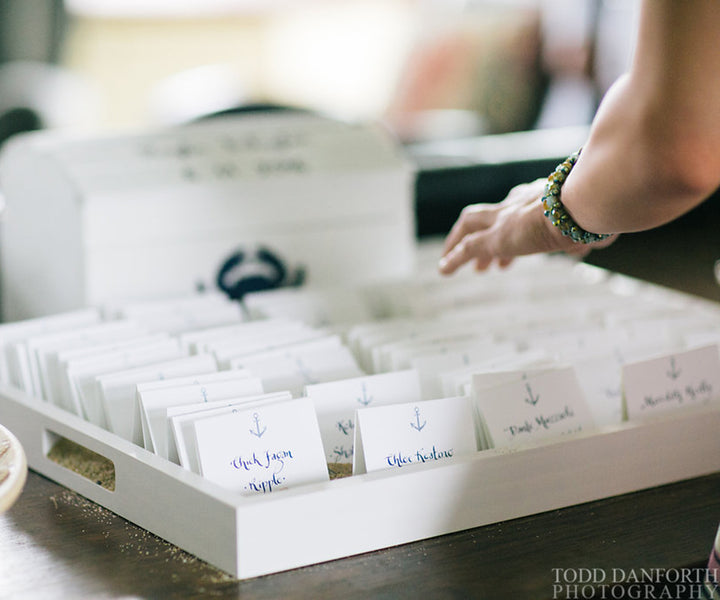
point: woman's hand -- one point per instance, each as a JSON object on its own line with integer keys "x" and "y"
{"x": 499, "y": 232}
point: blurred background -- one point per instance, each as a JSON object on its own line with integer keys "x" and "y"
{"x": 429, "y": 69}
{"x": 475, "y": 89}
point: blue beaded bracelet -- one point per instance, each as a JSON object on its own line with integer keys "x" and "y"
{"x": 555, "y": 211}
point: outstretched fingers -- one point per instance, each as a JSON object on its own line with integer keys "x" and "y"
{"x": 472, "y": 247}
{"x": 473, "y": 218}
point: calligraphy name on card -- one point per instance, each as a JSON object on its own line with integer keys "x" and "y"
{"x": 426, "y": 432}
{"x": 676, "y": 381}
{"x": 182, "y": 444}
{"x": 262, "y": 449}
{"x": 530, "y": 407}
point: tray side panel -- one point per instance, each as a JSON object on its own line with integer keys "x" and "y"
{"x": 380, "y": 510}
{"x": 163, "y": 498}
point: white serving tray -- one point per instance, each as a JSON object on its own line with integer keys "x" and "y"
{"x": 252, "y": 536}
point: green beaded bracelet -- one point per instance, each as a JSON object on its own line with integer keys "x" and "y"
{"x": 555, "y": 211}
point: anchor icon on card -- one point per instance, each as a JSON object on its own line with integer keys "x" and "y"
{"x": 531, "y": 398}
{"x": 365, "y": 400}
{"x": 674, "y": 372}
{"x": 258, "y": 432}
{"x": 417, "y": 426}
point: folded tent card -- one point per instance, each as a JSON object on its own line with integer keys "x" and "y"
{"x": 336, "y": 404}
{"x": 682, "y": 380}
{"x": 181, "y": 419}
{"x": 294, "y": 366}
{"x": 154, "y": 398}
{"x": 524, "y": 406}
{"x": 413, "y": 433}
{"x": 81, "y": 373}
{"x": 261, "y": 448}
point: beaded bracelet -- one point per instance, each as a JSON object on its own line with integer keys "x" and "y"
{"x": 555, "y": 211}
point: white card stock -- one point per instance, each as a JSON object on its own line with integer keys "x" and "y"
{"x": 336, "y": 402}
{"x": 204, "y": 388}
{"x": 117, "y": 391}
{"x": 181, "y": 440}
{"x": 80, "y": 372}
{"x": 541, "y": 405}
{"x": 399, "y": 435}
{"x": 16, "y": 369}
{"x": 293, "y": 367}
{"x": 263, "y": 449}
{"x": 675, "y": 381}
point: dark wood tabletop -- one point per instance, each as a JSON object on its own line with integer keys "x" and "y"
{"x": 56, "y": 544}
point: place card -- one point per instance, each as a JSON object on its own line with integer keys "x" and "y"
{"x": 231, "y": 351}
{"x": 15, "y": 369}
{"x": 431, "y": 366}
{"x": 154, "y": 400}
{"x": 176, "y": 315}
{"x": 181, "y": 419}
{"x": 600, "y": 381}
{"x": 293, "y": 367}
{"x": 117, "y": 391}
{"x": 454, "y": 381}
{"x": 413, "y": 433}
{"x": 336, "y": 402}
{"x": 543, "y": 405}
{"x": 319, "y": 307}
{"x": 672, "y": 382}
{"x": 196, "y": 341}
{"x": 262, "y": 450}
{"x": 43, "y": 349}
{"x": 80, "y": 372}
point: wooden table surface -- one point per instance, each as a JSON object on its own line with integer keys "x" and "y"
{"x": 56, "y": 544}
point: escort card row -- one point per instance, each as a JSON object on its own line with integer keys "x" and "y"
{"x": 296, "y": 385}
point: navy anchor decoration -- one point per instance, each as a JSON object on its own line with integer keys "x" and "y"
{"x": 255, "y": 270}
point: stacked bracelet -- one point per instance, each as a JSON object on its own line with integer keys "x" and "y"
{"x": 555, "y": 211}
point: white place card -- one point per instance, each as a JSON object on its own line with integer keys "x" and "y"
{"x": 453, "y": 382}
{"x": 430, "y": 366}
{"x": 43, "y": 349}
{"x": 672, "y": 382}
{"x": 319, "y": 307}
{"x": 336, "y": 402}
{"x": 182, "y": 313}
{"x": 262, "y": 450}
{"x": 204, "y": 388}
{"x": 228, "y": 352}
{"x": 293, "y": 367}
{"x": 63, "y": 361}
{"x": 16, "y": 369}
{"x": 542, "y": 406}
{"x": 117, "y": 391}
{"x": 600, "y": 380}
{"x": 196, "y": 341}
{"x": 428, "y": 432}
{"x": 481, "y": 382}
{"x": 80, "y": 373}
{"x": 181, "y": 440}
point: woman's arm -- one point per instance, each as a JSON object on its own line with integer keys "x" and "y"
{"x": 653, "y": 152}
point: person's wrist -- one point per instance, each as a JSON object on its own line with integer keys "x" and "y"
{"x": 555, "y": 211}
